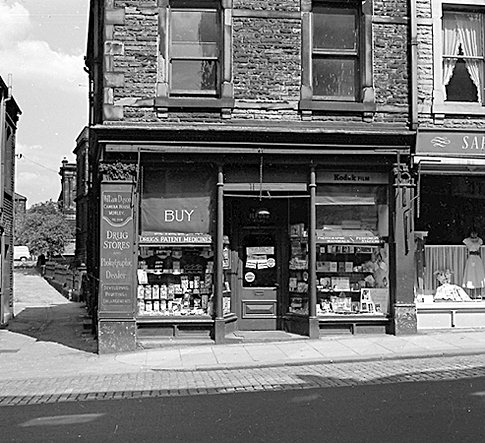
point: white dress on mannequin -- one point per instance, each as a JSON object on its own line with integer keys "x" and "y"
{"x": 474, "y": 275}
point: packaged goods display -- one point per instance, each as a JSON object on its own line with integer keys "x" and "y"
{"x": 298, "y": 270}
{"x": 175, "y": 281}
{"x": 352, "y": 278}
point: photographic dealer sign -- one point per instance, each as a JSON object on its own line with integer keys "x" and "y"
{"x": 116, "y": 247}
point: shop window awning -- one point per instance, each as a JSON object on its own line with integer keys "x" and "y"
{"x": 349, "y": 195}
{"x": 443, "y": 164}
{"x": 346, "y": 200}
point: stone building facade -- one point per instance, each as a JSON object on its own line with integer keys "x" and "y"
{"x": 9, "y": 116}
{"x": 243, "y": 153}
{"x": 449, "y": 158}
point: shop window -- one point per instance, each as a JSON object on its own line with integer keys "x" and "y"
{"x": 336, "y": 66}
{"x": 194, "y": 48}
{"x": 362, "y": 209}
{"x": 463, "y": 56}
{"x": 352, "y": 259}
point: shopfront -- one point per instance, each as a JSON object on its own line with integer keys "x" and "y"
{"x": 202, "y": 249}
{"x": 450, "y": 225}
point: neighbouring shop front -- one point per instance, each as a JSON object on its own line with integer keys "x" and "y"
{"x": 201, "y": 249}
{"x": 450, "y": 225}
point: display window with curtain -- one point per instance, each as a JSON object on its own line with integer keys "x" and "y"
{"x": 352, "y": 244}
{"x": 450, "y": 273}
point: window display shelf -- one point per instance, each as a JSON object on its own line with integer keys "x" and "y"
{"x": 171, "y": 272}
{"x": 357, "y": 291}
{"x": 172, "y": 318}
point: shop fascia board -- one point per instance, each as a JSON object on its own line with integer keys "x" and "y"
{"x": 254, "y": 148}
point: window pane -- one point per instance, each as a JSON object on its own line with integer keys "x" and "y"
{"x": 461, "y": 87}
{"x": 194, "y": 26}
{"x": 334, "y": 29}
{"x": 194, "y": 50}
{"x": 193, "y": 75}
{"x": 334, "y": 78}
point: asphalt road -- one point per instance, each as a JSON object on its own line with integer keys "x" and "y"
{"x": 430, "y": 412}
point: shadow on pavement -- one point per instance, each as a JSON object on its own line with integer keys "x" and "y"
{"x": 45, "y": 315}
{"x": 62, "y": 324}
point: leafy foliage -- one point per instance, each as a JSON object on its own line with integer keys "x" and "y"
{"x": 43, "y": 229}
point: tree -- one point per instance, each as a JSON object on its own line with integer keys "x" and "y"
{"x": 44, "y": 229}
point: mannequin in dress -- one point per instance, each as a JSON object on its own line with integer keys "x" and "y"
{"x": 474, "y": 275}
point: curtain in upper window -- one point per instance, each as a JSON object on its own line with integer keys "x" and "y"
{"x": 462, "y": 43}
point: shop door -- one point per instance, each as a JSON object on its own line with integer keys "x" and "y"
{"x": 258, "y": 275}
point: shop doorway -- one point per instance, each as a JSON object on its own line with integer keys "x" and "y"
{"x": 259, "y": 276}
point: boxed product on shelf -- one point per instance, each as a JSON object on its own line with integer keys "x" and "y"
{"x": 298, "y": 264}
{"x": 341, "y": 283}
{"x": 341, "y": 304}
{"x": 323, "y": 266}
{"x": 155, "y": 292}
{"x": 297, "y": 230}
{"x": 141, "y": 292}
{"x": 333, "y": 266}
{"x": 349, "y": 266}
{"x": 302, "y": 287}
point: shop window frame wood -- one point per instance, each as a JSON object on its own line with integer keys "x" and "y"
{"x": 365, "y": 98}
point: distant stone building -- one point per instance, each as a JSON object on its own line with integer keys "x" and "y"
{"x": 81, "y": 198}
{"x": 20, "y": 204}
{"x": 67, "y": 195}
{"x": 67, "y": 200}
{"x": 9, "y": 115}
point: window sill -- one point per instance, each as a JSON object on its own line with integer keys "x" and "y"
{"x": 337, "y": 106}
{"x": 458, "y": 108}
{"x": 199, "y": 102}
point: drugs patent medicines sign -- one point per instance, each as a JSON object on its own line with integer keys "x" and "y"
{"x": 116, "y": 250}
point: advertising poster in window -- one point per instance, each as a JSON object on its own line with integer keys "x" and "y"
{"x": 177, "y": 201}
{"x": 117, "y": 246}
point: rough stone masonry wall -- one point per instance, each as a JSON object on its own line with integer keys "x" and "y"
{"x": 136, "y": 58}
{"x": 266, "y": 62}
{"x": 390, "y": 64}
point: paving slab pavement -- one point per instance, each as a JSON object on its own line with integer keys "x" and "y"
{"x": 47, "y": 338}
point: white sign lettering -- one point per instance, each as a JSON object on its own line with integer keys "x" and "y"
{"x": 178, "y": 215}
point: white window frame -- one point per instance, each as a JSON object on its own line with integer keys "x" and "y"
{"x": 440, "y": 105}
